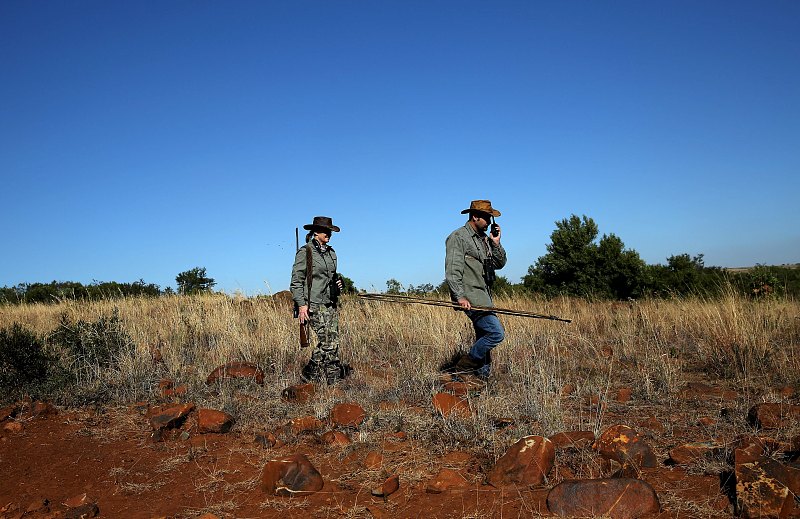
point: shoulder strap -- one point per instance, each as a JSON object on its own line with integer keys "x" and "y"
{"x": 309, "y": 269}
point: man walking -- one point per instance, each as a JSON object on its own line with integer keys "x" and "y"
{"x": 471, "y": 258}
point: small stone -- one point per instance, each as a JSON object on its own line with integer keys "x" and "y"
{"x": 86, "y": 511}
{"x": 389, "y": 487}
{"x": 347, "y": 415}
{"x": 335, "y": 438}
{"x": 13, "y": 427}
{"x": 305, "y": 424}
{"x": 447, "y": 479}
{"x": 76, "y": 501}
{"x": 624, "y": 445}
{"x": 213, "y": 421}
{"x": 373, "y": 460}
{"x": 237, "y": 370}
{"x": 42, "y": 409}
{"x": 299, "y": 393}
{"x": 693, "y": 452}
{"x": 764, "y": 486}
{"x": 773, "y": 415}
{"x": 291, "y": 475}
{"x": 170, "y": 417}
{"x": 568, "y": 389}
{"x": 576, "y": 439}
{"x": 447, "y": 405}
{"x": 624, "y": 395}
{"x": 527, "y": 462}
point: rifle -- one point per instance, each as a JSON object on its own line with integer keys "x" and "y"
{"x": 304, "y": 342}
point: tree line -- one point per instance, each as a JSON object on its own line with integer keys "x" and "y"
{"x": 576, "y": 264}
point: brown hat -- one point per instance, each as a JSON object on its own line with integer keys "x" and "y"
{"x": 321, "y": 222}
{"x": 483, "y": 206}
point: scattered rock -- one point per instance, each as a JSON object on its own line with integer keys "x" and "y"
{"x": 373, "y": 460}
{"x": 13, "y": 427}
{"x": 86, "y": 511}
{"x": 773, "y": 415}
{"x": 169, "y": 417}
{"x": 447, "y": 479}
{"x": 174, "y": 392}
{"x": 568, "y": 389}
{"x": 690, "y": 453}
{"x": 625, "y": 446}
{"x": 76, "y": 501}
{"x": 305, "y": 424}
{"x": 577, "y": 439}
{"x": 335, "y": 438}
{"x": 701, "y": 391}
{"x": 765, "y": 487}
{"x": 213, "y": 421}
{"x": 347, "y": 415}
{"x": 527, "y": 462}
{"x": 447, "y": 404}
{"x": 299, "y": 393}
{"x": 43, "y": 409}
{"x": 39, "y": 505}
{"x": 624, "y": 395}
{"x": 237, "y": 369}
{"x": 268, "y": 440}
{"x": 291, "y": 475}
{"x": 654, "y": 424}
{"x": 8, "y": 412}
{"x": 389, "y": 487}
{"x": 622, "y": 498}
{"x": 705, "y": 421}
{"x": 462, "y": 388}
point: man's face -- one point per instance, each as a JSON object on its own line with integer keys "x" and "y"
{"x": 482, "y": 221}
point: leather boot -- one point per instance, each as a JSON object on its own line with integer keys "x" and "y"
{"x": 468, "y": 364}
{"x": 311, "y": 372}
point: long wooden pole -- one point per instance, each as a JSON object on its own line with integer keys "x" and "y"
{"x": 397, "y": 298}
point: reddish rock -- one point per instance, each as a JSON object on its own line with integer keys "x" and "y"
{"x": 773, "y": 415}
{"x": 13, "y": 427}
{"x": 300, "y": 393}
{"x": 624, "y": 394}
{"x": 706, "y": 421}
{"x": 292, "y": 475}
{"x": 165, "y": 383}
{"x": 170, "y": 417}
{"x": 213, "y": 421}
{"x": 236, "y": 370}
{"x": 76, "y": 501}
{"x": 8, "y": 412}
{"x": 173, "y": 392}
{"x": 578, "y": 439}
{"x": 624, "y": 445}
{"x": 527, "y": 463}
{"x": 568, "y": 389}
{"x": 43, "y": 409}
{"x": 447, "y": 405}
{"x": 347, "y": 415}
{"x": 653, "y": 423}
{"x": 447, "y": 479}
{"x": 765, "y": 487}
{"x": 373, "y": 460}
{"x": 461, "y": 388}
{"x": 690, "y": 453}
{"x": 701, "y": 391}
{"x": 335, "y": 438}
{"x": 399, "y": 436}
{"x": 305, "y": 424}
{"x": 786, "y": 391}
{"x": 389, "y": 487}
{"x": 622, "y": 498}
{"x": 86, "y": 511}
{"x": 268, "y": 440}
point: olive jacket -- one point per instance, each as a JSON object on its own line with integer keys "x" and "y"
{"x": 465, "y": 253}
{"x": 323, "y": 269}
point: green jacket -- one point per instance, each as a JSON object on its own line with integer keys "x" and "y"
{"x": 463, "y": 265}
{"x": 324, "y": 267}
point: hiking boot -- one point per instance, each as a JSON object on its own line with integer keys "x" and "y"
{"x": 468, "y": 364}
{"x": 337, "y": 371}
{"x": 311, "y": 372}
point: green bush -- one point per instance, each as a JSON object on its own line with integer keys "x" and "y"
{"x": 90, "y": 347}
{"x": 23, "y": 359}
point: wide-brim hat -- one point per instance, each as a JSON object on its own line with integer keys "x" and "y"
{"x": 483, "y": 206}
{"x": 321, "y": 222}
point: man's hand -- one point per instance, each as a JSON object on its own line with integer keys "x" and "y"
{"x": 464, "y": 303}
{"x": 302, "y": 314}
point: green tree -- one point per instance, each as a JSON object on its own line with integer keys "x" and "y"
{"x": 194, "y": 281}
{"x": 394, "y": 287}
{"x": 576, "y": 265}
{"x": 348, "y": 287}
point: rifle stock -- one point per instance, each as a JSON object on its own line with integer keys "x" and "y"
{"x": 304, "y": 343}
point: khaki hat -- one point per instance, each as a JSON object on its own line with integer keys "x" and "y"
{"x": 483, "y": 206}
{"x": 321, "y": 222}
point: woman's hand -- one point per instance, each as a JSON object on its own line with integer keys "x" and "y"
{"x": 302, "y": 314}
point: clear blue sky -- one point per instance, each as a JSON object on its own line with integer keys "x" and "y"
{"x": 141, "y": 139}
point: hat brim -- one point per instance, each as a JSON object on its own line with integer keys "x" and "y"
{"x": 493, "y": 212}
{"x": 312, "y": 227}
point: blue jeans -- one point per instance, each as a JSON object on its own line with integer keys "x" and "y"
{"x": 488, "y": 334}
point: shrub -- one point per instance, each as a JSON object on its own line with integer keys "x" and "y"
{"x": 23, "y": 360}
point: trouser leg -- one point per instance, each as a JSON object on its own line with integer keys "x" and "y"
{"x": 488, "y": 334}
{"x": 325, "y": 322}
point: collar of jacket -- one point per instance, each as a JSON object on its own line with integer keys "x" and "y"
{"x": 322, "y": 249}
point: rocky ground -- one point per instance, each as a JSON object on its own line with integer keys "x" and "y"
{"x": 704, "y": 455}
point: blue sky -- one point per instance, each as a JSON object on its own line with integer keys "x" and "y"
{"x": 142, "y": 139}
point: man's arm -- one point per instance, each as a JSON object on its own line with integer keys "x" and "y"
{"x": 454, "y": 269}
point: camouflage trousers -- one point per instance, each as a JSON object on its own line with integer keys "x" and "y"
{"x": 325, "y": 323}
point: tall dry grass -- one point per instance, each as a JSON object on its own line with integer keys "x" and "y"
{"x": 652, "y": 346}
